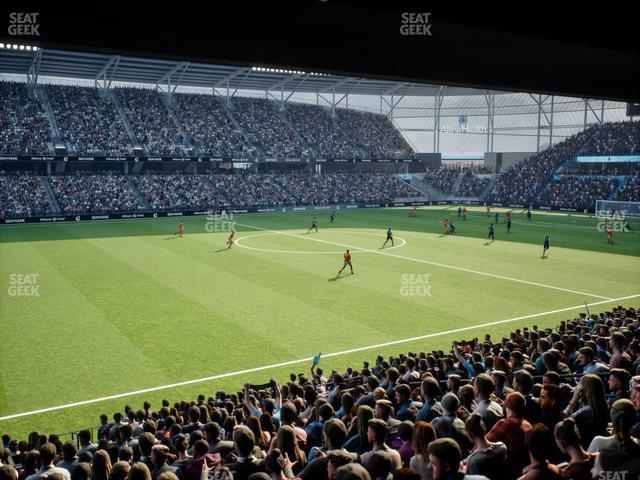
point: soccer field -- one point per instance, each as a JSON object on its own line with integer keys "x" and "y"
{"x": 124, "y": 306}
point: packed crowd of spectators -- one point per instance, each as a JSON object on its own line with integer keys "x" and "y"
{"x": 24, "y": 127}
{"x": 442, "y": 179}
{"x": 207, "y": 124}
{"x": 265, "y": 125}
{"x": 346, "y": 188}
{"x": 375, "y": 134}
{"x": 630, "y": 191}
{"x": 521, "y": 183}
{"x": 615, "y": 138}
{"x": 548, "y": 404}
{"x": 577, "y": 191}
{"x": 23, "y": 195}
{"x": 471, "y": 185}
{"x": 320, "y": 131}
{"x": 151, "y": 122}
{"x": 85, "y": 193}
{"x": 88, "y": 122}
{"x": 178, "y": 192}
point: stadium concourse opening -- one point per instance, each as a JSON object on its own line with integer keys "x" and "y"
{"x": 246, "y": 259}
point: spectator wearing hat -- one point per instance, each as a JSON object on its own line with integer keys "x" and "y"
{"x": 384, "y": 411}
{"x": 512, "y": 432}
{"x": 448, "y": 424}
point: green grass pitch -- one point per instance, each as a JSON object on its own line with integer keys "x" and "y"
{"x": 127, "y": 305}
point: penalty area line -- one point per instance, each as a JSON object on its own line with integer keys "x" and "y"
{"x": 308, "y": 359}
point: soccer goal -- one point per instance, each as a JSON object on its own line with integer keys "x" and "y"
{"x": 610, "y": 208}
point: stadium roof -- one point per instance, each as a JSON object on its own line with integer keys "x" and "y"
{"x": 119, "y": 68}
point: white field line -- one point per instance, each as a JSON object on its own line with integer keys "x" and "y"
{"x": 427, "y": 262}
{"x": 308, "y": 359}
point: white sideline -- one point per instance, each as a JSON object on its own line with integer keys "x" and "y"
{"x": 306, "y": 360}
{"x": 428, "y": 262}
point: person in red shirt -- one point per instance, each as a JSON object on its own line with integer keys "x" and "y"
{"x": 180, "y": 229}
{"x": 347, "y": 261}
{"x": 464, "y": 213}
{"x": 230, "y": 240}
{"x": 609, "y": 235}
{"x": 445, "y": 224}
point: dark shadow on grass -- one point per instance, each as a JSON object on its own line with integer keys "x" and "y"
{"x": 170, "y": 238}
{"x": 339, "y": 277}
{"x": 222, "y": 250}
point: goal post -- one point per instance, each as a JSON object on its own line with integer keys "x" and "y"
{"x": 623, "y": 209}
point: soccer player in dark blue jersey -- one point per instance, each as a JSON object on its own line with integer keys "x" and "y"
{"x": 545, "y": 247}
{"x": 491, "y": 233}
{"x": 389, "y": 238}
{"x": 313, "y": 225}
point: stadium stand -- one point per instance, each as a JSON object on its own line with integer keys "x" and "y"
{"x": 265, "y": 126}
{"x": 89, "y": 123}
{"x": 81, "y": 194}
{"x": 84, "y": 193}
{"x": 497, "y": 406}
{"x": 374, "y": 133}
{"x": 209, "y": 127}
{"x": 23, "y": 195}
{"x": 24, "y": 127}
{"x": 320, "y": 131}
{"x": 151, "y": 122}
{"x": 577, "y": 192}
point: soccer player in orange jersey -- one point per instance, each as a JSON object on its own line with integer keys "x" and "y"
{"x": 180, "y": 229}
{"x": 347, "y": 261}
{"x": 230, "y": 240}
{"x": 464, "y": 213}
{"x": 609, "y": 231}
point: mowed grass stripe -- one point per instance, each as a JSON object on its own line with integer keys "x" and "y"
{"x": 59, "y": 337}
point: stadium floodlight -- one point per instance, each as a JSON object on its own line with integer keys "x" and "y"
{"x": 15, "y": 47}
{"x": 21, "y": 47}
{"x": 1, "y": 45}
{"x": 28, "y": 47}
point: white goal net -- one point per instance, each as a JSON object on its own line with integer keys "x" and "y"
{"x": 614, "y": 208}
